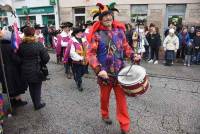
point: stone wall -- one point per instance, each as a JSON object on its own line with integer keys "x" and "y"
{"x": 156, "y": 15}
{"x": 124, "y": 13}
{"x": 66, "y": 14}
{"x": 192, "y": 16}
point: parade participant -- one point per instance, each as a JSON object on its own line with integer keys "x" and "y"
{"x": 88, "y": 26}
{"x": 63, "y": 41}
{"x": 78, "y": 54}
{"x": 171, "y": 45}
{"x": 55, "y": 42}
{"x": 33, "y": 56}
{"x": 15, "y": 83}
{"x": 107, "y": 44}
{"x": 38, "y": 35}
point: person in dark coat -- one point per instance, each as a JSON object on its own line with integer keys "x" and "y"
{"x": 196, "y": 43}
{"x": 31, "y": 54}
{"x": 16, "y": 86}
{"x": 154, "y": 40}
{"x": 192, "y": 33}
{"x": 129, "y": 33}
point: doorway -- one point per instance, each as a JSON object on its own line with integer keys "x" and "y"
{"x": 175, "y": 14}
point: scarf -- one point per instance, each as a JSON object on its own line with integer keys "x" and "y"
{"x": 98, "y": 26}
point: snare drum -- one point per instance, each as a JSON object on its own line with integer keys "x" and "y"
{"x": 134, "y": 80}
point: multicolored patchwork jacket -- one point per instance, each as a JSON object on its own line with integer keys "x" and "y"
{"x": 107, "y": 48}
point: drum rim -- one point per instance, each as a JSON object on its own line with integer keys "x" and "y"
{"x": 140, "y": 80}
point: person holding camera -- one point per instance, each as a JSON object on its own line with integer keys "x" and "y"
{"x": 33, "y": 55}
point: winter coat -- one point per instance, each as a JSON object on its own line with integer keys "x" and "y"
{"x": 189, "y": 50}
{"x": 171, "y": 43}
{"x": 31, "y": 53}
{"x": 11, "y": 61}
{"x": 154, "y": 40}
{"x": 196, "y": 42}
{"x": 187, "y": 39}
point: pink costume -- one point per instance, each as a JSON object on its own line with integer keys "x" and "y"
{"x": 40, "y": 38}
{"x": 62, "y": 44}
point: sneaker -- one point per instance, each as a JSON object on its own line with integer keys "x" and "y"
{"x": 155, "y": 62}
{"x": 107, "y": 121}
{"x": 184, "y": 64}
{"x": 172, "y": 63}
{"x": 150, "y": 61}
{"x": 188, "y": 65}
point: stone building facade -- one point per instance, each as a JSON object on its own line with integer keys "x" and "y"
{"x": 160, "y": 12}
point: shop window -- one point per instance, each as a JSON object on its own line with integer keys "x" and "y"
{"x": 79, "y": 17}
{"x": 139, "y": 12}
{"x": 23, "y": 20}
{"x": 79, "y": 10}
{"x": 48, "y": 20}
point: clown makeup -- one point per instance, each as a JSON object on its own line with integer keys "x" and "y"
{"x": 107, "y": 20}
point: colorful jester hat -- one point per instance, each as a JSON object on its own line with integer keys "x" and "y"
{"x": 104, "y": 10}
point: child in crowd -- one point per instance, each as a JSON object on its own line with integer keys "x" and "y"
{"x": 188, "y": 54}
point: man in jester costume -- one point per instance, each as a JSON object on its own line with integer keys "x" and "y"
{"x": 106, "y": 50}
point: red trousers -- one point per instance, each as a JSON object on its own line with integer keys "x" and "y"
{"x": 122, "y": 111}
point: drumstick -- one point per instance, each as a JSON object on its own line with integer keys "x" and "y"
{"x": 114, "y": 75}
{"x": 129, "y": 69}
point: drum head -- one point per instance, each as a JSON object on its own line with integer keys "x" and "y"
{"x": 134, "y": 76}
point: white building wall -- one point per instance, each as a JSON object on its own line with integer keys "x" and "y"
{"x": 74, "y": 3}
{"x": 32, "y": 3}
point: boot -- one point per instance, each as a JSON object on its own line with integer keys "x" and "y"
{"x": 40, "y": 106}
{"x": 108, "y": 121}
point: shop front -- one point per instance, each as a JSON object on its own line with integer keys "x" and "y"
{"x": 40, "y": 15}
{"x": 3, "y": 18}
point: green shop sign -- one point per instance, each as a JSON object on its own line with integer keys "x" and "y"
{"x": 34, "y": 10}
{"x": 52, "y": 2}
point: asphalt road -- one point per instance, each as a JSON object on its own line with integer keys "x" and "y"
{"x": 171, "y": 106}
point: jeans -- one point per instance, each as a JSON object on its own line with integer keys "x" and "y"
{"x": 196, "y": 56}
{"x": 188, "y": 59}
